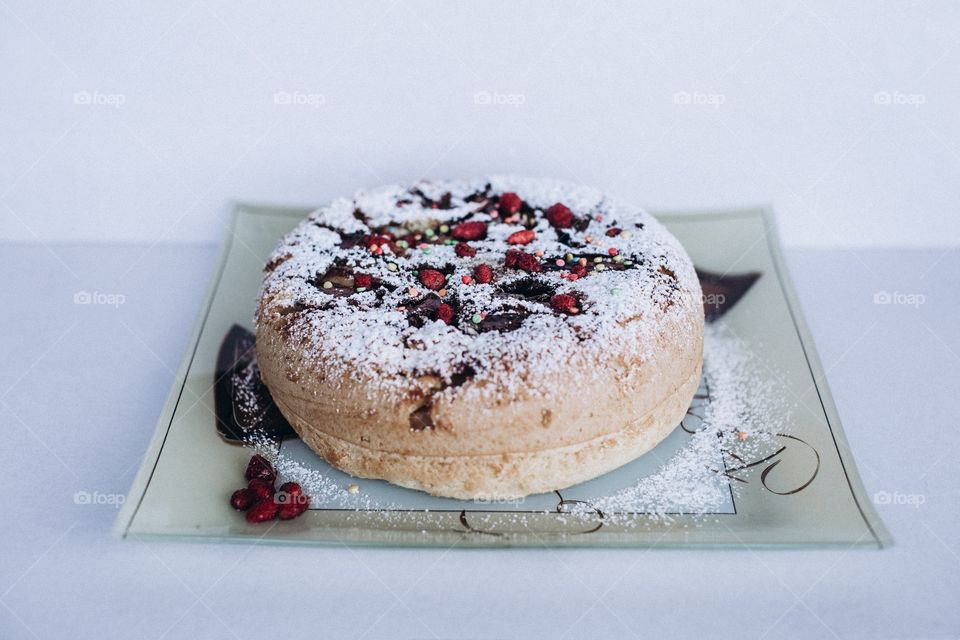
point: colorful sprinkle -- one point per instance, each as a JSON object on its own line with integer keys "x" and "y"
{"x": 615, "y": 291}
{"x": 598, "y": 259}
{"x": 559, "y": 262}
{"x": 413, "y": 292}
{"x": 583, "y": 262}
{"x": 600, "y": 267}
{"x": 568, "y": 257}
{"x": 444, "y": 228}
{"x": 392, "y": 266}
{"x": 429, "y": 233}
{"x": 612, "y": 251}
{"x": 466, "y": 279}
{"x": 475, "y": 318}
{"x": 442, "y": 293}
{"x": 327, "y": 284}
{"x": 403, "y": 244}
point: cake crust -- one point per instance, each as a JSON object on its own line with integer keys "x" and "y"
{"x": 533, "y": 381}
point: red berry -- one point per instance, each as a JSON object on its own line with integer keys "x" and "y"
{"x": 464, "y": 250}
{"x": 260, "y": 490}
{"x": 578, "y": 270}
{"x": 291, "y": 493}
{"x": 445, "y": 313}
{"x": 432, "y": 279}
{"x": 292, "y": 510}
{"x": 469, "y": 230}
{"x": 510, "y": 202}
{"x": 371, "y": 240}
{"x": 362, "y": 280}
{"x": 260, "y": 467}
{"x": 613, "y": 232}
{"x": 512, "y": 259}
{"x": 529, "y": 263}
{"x": 263, "y": 511}
{"x": 560, "y": 217}
{"x": 525, "y": 236}
{"x": 483, "y": 273}
{"x": 291, "y": 488}
{"x": 563, "y": 303}
{"x": 241, "y": 500}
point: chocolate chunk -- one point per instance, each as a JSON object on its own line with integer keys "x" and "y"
{"x": 502, "y": 321}
{"x": 722, "y": 291}
{"x": 421, "y": 419}
{"x": 244, "y": 406}
{"x": 530, "y": 289}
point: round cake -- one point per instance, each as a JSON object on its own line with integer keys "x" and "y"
{"x": 480, "y": 339}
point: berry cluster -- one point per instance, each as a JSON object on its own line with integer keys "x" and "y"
{"x": 260, "y": 499}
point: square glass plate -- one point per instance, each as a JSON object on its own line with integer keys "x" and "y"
{"x": 814, "y": 498}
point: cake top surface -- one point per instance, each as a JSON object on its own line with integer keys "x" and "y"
{"x": 491, "y": 277}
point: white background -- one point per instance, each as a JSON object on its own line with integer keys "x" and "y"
{"x": 137, "y": 122}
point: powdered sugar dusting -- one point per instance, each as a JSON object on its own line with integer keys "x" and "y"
{"x": 638, "y": 274}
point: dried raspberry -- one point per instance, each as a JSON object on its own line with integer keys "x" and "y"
{"x": 521, "y": 237}
{"x": 560, "y": 217}
{"x": 578, "y": 270}
{"x": 371, "y": 240}
{"x": 483, "y": 273}
{"x": 241, "y": 500}
{"x": 445, "y": 313}
{"x": 469, "y": 230}
{"x": 513, "y": 258}
{"x": 291, "y": 489}
{"x": 529, "y": 263}
{"x": 260, "y": 467}
{"x": 291, "y": 493}
{"x": 510, "y": 202}
{"x": 293, "y": 510}
{"x": 432, "y": 279}
{"x": 563, "y": 303}
{"x": 362, "y": 280}
{"x": 260, "y": 490}
{"x": 613, "y": 232}
{"x": 263, "y": 511}
{"x": 464, "y": 250}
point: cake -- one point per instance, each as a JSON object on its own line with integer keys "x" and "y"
{"x": 480, "y": 339}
